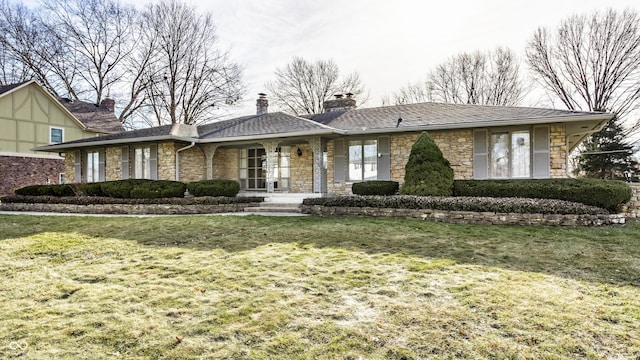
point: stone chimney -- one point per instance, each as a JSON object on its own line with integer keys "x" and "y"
{"x": 340, "y": 103}
{"x": 262, "y": 104}
{"x": 108, "y": 104}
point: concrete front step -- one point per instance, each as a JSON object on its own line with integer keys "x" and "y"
{"x": 275, "y": 207}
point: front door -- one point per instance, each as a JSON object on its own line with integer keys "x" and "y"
{"x": 253, "y": 169}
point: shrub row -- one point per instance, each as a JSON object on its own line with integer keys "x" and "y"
{"x": 47, "y": 190}
{"x": 475, "y": 204}
{"x": 136, "y": 189}
{"x": 377, "y": 187}
{"x": 98, "y": 200}
{"x": 607, "y": 194}
{"x": 228, "y": 188}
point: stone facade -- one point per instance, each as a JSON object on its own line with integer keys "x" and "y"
{"x": 558, "y": 151}
{"x": 301, "y": 169}
{"x": 225, "y": 164}
{"x": 456, "y": 146}
{"x": 113, "y": 168}
{"x": 167, "y": 161}
{"x": 633, "y": 207}
{"x": 192, "y": 165}
{"x": 31, "y": 170}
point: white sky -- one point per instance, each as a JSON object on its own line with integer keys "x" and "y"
{"x": 389, "y": 43}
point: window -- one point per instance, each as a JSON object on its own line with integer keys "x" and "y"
{"x": 142, "y": 163}
{"x": 363, "y": 160}
{"x": 92, "y": 166}
{"x": 508, "y": 154}
{"x": 61, "y": 179}
{"x": 56, "y": 135}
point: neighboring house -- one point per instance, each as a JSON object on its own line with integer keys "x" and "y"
{"x": 326, "y": 153}
{"x": 31, "y": 117}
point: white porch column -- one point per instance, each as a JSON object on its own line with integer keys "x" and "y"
{"x": 209, "y": 151}
{"x": 272, "y": 158}
{"x": 316, "y": 148}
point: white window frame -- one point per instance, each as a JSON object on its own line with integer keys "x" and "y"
{"x": 510, "y": 156}
{"x": 51, "y": 129}
{"x": 91, "y": 168}
{"x": 363, "y": 163}
{"x": 141, "y": 163}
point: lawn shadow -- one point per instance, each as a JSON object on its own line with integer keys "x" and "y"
{"x": 602, "y": 254}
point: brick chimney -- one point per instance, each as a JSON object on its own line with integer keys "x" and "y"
{"x": 262, "y": 104}
{"x": 340, "y": 103}
{"x": 108, "y": 104}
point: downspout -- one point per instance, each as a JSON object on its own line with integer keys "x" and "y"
{"x": 193, "y": 143}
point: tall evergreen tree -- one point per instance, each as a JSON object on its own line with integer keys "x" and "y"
{"x": 607, "y": 155}
{"x": 427, "y": 172}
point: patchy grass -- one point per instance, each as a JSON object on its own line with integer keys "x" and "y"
{"x": 313, "y": 288}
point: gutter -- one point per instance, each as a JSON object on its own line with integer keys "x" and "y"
{"x": 193, "y": 143}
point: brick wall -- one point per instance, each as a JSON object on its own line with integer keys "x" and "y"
{"x": 20, "y": 171}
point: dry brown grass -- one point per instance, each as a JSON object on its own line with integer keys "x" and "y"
{"x": 312, "y": 288}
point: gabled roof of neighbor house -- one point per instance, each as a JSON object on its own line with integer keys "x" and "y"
{"x": 415, "y": 117}
{"x": 89, "y": 116}
{"x": 95, "y": 117}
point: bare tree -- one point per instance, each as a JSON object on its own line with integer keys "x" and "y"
{"x": 301, "y": 87}
{"x": 99, "y": 33}
{"x": 189, "y": 76}
{"x": 491, "y": 78}
{"x": 591, "y": 62}
{"x": 29, "y": 49}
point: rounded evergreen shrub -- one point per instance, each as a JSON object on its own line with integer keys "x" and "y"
{"x": 375, "y": 187}
{"x": 216, "y": 187}
{"x": 427, "y": 172}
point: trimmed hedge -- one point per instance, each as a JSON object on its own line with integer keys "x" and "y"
{"x": 99, "y": 200}
{"x": 217, "y": 187}
{"x": 607, "y": 194}
{"x": 475, "y": 204}
{"x": 376, "y": 187}
{"x": 46, "y": 190}
{"x": 138, "y": 189}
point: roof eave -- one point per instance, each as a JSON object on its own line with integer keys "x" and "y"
{"x": 89, "y": 144}
{"x": 329, "y": 131}
{"x": 481, "y": 124}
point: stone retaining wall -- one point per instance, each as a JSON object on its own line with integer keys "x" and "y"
{"x": 633, "y": 208}
{"x": 469, "y": 217}
{"x": 154, "y": 209}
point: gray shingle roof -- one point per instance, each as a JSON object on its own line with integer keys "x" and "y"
{"x": 374, "y": 120}
{"x": 6, "y": 88}
{"x": 437, "y": 114}
{"x": 254, "y": 125}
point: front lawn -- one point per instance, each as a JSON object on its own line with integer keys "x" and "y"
{"x": 257, "y": 287}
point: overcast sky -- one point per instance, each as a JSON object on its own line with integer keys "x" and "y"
{"x": 389, "y": 43}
